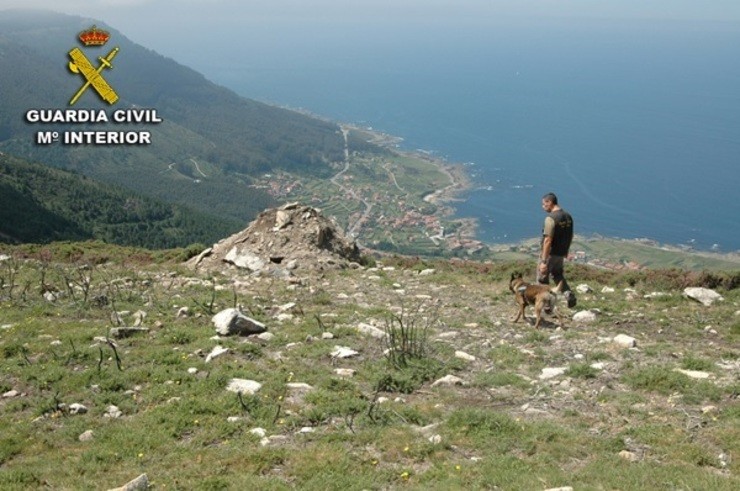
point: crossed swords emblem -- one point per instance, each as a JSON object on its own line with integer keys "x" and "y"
{"x": 80, "y": 64}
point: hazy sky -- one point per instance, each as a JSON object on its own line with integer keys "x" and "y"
{"x": 147, "y": 12}
{"x": 180, "y": 23}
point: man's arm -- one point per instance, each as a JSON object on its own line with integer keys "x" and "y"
{"x": 548, "y": 232}
{"x": 546, "y": 247}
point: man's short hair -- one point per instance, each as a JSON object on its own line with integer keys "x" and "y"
{"x": 551, "y": 198}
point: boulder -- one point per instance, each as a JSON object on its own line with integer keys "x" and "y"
{"x": 242, "y": 386}
{"x": 584, "y": 316}
{"x": 448, "y": 380}
{"x": 625, "y": 341}
{"x": 703, "y": 295}
{"x": 141, "y": 483}
{"x": 230, "y": 322}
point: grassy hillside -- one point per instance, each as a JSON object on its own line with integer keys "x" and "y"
{"x": 531, "y": 409}
{"x": 40, "y": 204}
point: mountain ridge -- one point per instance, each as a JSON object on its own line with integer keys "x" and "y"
{"x": 233, "y": 139}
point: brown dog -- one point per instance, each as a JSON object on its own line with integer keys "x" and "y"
{"x": 541, "y": 296}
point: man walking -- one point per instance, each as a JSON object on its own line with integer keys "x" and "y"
{"x": 557, "y": 234}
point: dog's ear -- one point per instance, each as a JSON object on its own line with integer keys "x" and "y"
{"x": 558, "y": 289}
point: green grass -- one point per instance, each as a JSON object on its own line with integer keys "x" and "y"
{"x": 366, "y": 428}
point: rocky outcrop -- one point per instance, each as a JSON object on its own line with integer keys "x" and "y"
{"x": 281, "y": 240}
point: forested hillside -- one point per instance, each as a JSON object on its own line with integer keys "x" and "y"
{"x": 40, "y": 204}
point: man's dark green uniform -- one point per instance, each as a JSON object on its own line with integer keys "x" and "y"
{"x": 558, "y": 226}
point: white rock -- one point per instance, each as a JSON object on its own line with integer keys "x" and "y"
{"x": 266, "y": 336}
{"x": 427, "y": 272}
{"x": 139, "y": 317}
{"x": 345, "y": 372}
{"x": 343, "y": 352}
{"x": 598, "y": 365}
{"x": 370, "y": 330}
{"x": 86, "y": 436}
{"x": 448, "y": 335}
{"x": 548, "y": 373}
{"x": 282, "y": 218}
{"x": 258, "y": 432}
{"x": 695, "y": 374}
{"x": 243, "y": 386}
{"x": 449, "y": 380}
{"x": 704, "y": 295}
{"x": 583, "y": 288}
{"x": 77, "y": 408}
{"x": 656, "y": 295}
{"x": 564, "y": 488}
{"x": 232, "y": 321}
{"x": 305, "y": 430}
{"x": 299, "y": 386}
{"x": 584, "y": 316}
{"x": 244, "y": 259}
{"x": 630, "y": 456}
{"x": 192, "y": 370}
{"x": 625, "y": 341}
{"x": 183, "y": 312}
{"x": 216, "y": 352}
{"x": 50, "y": 296}
{"x": 435, "y": 439}
{"x": 235, "y": 419}
{"x": 327, "y": 335}
{"x": 464, "y": 356}
{"x": 607, "y": 289}
{"x": 112, "y": 412}
{"x": 141, "y": 483}
{"x": 11, "y": 393}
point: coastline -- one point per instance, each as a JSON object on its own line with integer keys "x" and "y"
{"x": 465, "y": 235}
{"x": 443, "y": 198}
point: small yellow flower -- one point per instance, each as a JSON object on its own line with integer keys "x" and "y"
{"x": 406, "y": 449}
{"x": 458, "y": 467}
{"x": 141, "y": 455}
{"x": 405, "y": 475}
{"x": 374, "y": 462}
{"x": 196, "y": 421}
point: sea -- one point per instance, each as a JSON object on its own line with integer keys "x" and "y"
{"x": 635, "y": 125}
